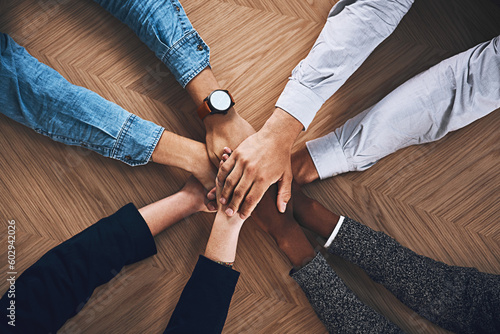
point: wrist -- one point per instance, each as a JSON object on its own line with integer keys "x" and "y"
{"x": 231, "y": 224}
{"x": 188, "y": 202}
{"x": 282, "y": 128}
{"x": 215, "y": 120}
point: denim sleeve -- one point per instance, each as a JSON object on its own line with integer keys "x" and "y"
{"x": 165, "y": 28}
{"x": 354, "y": 28}
{"x": 37, "y": 96}
{"x": 445, "y": 98}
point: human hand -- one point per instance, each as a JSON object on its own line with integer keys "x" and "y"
{"x": 259, "y": 161}
{"x": 225, "y": 131}
{"x": 197, "y": 195}
{"x": 190, "y": 155}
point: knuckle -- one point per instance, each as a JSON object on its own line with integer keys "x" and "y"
{"x": 237, "y": 193}
{"x": 229, "y": 183}
{"x": 260, "y": 179}
{"x": 250, "y": 200}
{"x": 246, "y": 212}
{"x": 250, "y": 168}
{"x": 224, "y": 169}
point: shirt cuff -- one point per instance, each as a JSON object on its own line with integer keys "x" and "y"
{"x": 187, "y": 58}
{"x": 300, "y": 102}
{"x": 335, "y": 232}
{"x": 136, "y": 141}
{"x": 328, "y": 156}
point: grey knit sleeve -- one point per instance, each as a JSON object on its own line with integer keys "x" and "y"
{"x": 336, "y": 305}
{"x": 459, "y": 299}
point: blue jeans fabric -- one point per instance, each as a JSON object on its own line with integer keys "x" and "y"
{"x": 37, "y": 96}
{"x": 165, "y": 28}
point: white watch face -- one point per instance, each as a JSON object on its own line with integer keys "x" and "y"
{"x": 220, "y": 100}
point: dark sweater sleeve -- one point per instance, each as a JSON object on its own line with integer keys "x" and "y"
{"x": 204, "y": 302}
{"x": 458, "y": 299}
{"x": 57, "y": 286}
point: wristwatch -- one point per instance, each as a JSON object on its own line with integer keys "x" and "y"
{"x": 218, "y": 102}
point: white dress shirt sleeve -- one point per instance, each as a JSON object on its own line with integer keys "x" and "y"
{"x": 354, "y": 28}
{"x": 446, "y": 97}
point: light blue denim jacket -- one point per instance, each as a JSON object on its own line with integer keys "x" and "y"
{"x": 37, "y": 96}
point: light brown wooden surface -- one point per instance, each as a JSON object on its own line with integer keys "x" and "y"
{"x": 439, "y": 199}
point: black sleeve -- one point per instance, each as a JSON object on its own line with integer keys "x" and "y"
{"x": 57, "y": 286}
{"x": 204, "y": 302}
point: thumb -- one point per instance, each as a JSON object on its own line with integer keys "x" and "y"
{"x": 211, "y": 195}
{"x": 284, "y": 190}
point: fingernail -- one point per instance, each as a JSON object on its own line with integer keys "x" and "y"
{"x": 211, "y": 207}
{"x": 242, "y": 216}
{"x": 283, "y": 207}
{"x": 211, "y": 196}
{"x": 223, "y": 201}
{"x": 229, "y": 212}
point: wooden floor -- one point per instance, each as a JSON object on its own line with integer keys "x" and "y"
{"x": 439, "y": 199}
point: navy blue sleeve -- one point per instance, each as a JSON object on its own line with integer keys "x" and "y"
{"x": 204, "y": 302}
{"x": 57, "y": 286}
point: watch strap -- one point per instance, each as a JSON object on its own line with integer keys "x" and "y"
{"x": 203, "y": 109}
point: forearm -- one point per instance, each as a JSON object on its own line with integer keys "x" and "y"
{"x": 166, "y": 212}
{"x": 37, "y": 96}
{"x": 202, "y": 85}
{"x": 164, "y": 27}
{"x": 223, "y": 239}
{"x": 353, "y": 30}
{"x": 205, "y": 300}
{"x": 283, "y": 127}
{"x": 190, "y": 155}
{"x": 56, "y": 286}
{"x": 446, "y": 97}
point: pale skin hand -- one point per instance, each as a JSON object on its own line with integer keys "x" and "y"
{"x": 223, "y": 239}
{"x": 190, "y": 155}
{"x": 166, "y": 212}
{"x": 259, "y": 161}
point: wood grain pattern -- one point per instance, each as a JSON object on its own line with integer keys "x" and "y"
{"x": 439, "y": 199}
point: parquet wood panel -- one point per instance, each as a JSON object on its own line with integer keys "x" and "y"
{"x": 439, "y": 199}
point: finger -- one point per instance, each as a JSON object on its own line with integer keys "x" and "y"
{"x": 212, "y": 194}
{"x": 212, "y": 206}
{"x": 227, "y": 150}
{"x": 225, "y": 169}
{"x": 284, "y": 191}
{"x": 230, "y": 184}
{"x": 240, "y": 191}
{"x": 252, "y": 199}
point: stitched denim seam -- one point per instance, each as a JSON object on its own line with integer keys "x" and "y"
{"x": 203, "y": 65}
{"x": 76, "y": 142}
{"x": 178, "y": 14}
{"x": 117, "y": 148}
{"x": 177, "y": 45}
{"x": 155, "y": 143}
